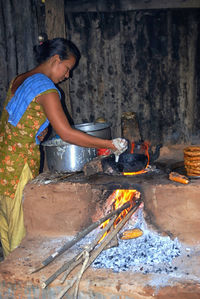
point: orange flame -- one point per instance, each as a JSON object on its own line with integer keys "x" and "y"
{"x": 120, "y": 197}
{"x": 132, "y": 147}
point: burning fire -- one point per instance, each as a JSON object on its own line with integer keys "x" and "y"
{"x": 144, "y": 148}
{"x": 119, "y": 198}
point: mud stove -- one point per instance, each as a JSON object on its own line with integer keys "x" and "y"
{"x": 162, "y": 263}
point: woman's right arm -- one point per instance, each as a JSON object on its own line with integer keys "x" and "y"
{"x": 56, "y": 116}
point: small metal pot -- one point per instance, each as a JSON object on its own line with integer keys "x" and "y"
{"x": 65, "y": 157}
{"x": 132, "y": 162}
{"x": 127, "y": 162}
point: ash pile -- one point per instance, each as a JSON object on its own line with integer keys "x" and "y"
{"x": 149, "y": 253}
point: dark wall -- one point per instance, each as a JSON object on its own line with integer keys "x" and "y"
{"x": 142, "y": 61}
{"x": 20, "y": 22}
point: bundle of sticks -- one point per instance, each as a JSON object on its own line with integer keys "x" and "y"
{"x": 87, "y": 255}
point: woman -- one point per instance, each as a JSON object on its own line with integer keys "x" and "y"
{"x": 32, "y": 102}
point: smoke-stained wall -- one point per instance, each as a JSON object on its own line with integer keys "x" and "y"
{"x": 20, "y": 23}
{"x": 146, "y": 61}
{"x": 142, "y": 61}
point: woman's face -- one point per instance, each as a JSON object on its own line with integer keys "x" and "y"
{"x": 61, "y": 69}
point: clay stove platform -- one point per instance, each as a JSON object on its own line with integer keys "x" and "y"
{"x": 62, "y": 205}
{"x": 17, "y": 282}
{"x": 57, "y": 206}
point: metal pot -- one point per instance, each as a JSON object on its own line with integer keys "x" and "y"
{"x": 132, "y": 162}
{"x": 65, "y": 157}
{"x": 127, "y": 162}
{"x": 101, "y": 130}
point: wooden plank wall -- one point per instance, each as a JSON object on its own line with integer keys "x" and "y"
{"x": 20, "y": 23}
{"x": 144, "y": 61}
{"x": 55, "y": 26}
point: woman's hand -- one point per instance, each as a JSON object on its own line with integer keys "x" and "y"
{"x": 121, "y": 146}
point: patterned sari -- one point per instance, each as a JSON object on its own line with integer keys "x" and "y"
{"x": 19, "y": 163}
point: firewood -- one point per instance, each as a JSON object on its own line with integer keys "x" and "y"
{"x": 91, "y": 246}
{"x": 78, "y": 237}
{"x": 90, "y": 259}
{"x": 113, "y": 243}
{"x": 78, "y": 259}
{"x": 75, "y": 261}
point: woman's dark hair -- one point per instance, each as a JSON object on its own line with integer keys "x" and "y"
{"x": 60, "y": 46}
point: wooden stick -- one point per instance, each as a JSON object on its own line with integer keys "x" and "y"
{"x": 75, "y": 261}
{"x": 76, "y": 279}
{"x": 68, "y": 266}
{"x": 95, "y": 242}
{"x": 113, "y": 233}
{"x": 96, "y": 252}
{"x": 79, "y": 236}
{"x": 86, "y": 259}
{"x": 67, "y": 287}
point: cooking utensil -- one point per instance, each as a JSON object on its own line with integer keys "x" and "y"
{"x": 101, "y": 130}
{"x": 65, "y": 157}
{"x": 126, "y": 163}
{"x": 132, "y": 162}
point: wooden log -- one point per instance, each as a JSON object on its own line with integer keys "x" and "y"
{"x": 130, "y": 127}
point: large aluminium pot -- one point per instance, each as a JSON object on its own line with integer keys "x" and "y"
{"x": 65, "y": 157}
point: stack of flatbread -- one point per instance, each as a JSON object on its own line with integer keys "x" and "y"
{"x": 192, "y": 160}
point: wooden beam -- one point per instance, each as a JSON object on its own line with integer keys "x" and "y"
{"x": 55, "y": 27}
{"x": 126, "y": 5}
